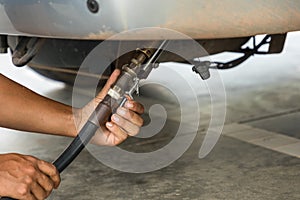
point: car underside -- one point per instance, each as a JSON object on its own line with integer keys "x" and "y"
{"x": 54, "y": 37}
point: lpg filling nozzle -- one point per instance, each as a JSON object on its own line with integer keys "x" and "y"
{"x": 128, "y": 83}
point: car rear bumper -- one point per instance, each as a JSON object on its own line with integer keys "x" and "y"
{"x": 199, "y": 19}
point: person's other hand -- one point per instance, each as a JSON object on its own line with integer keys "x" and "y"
{"x": 26, "y": 177}
{"x": 125, "y": 122}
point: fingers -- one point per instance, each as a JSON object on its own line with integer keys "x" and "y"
{"x": 49, "y": 175}
{"x": 130, "y": 116}
{"x": 134, "y": 106}
{"x": 38, "y": 191}
{"x": 116, "y": 135}
{"x": 45, "y": 183}
{"x": 51, "y": 171}
{"x": 126, "y": 121}
{"x": 112, "y": 79}
{"x": 129, "y": 127}
{"x": 28, "y": 177}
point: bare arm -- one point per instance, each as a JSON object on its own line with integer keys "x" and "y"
{"x": 23, "y": 109}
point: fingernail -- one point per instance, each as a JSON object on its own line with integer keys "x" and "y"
{"x": 116, "y": 118}
{"x": 122, "y": 111}
{"x": 109, "y": 124}
{"x": 129, "y": 104}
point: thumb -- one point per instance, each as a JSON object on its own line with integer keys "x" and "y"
{"x": 112, "y": 79}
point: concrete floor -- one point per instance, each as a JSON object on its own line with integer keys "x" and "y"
{"x": 248, "y": 162}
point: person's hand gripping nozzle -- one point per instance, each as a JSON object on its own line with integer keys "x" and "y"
{"x": 139, "y": 68}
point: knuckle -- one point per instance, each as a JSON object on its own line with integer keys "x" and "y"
{"x": 114, "y": 128}
{"x": 49, "y": 187}
{"x": 131, "y": 115}
{"x": 120, "y": 121}
{"x": 124, "y": 136}
{"x": 31, "y": 158}
{"x": 43, "y": 178}
{"x": 41, "y": 162}
{"x": 23, "y": 189}
{"x": 140, "y": 122}
{"x": 57, "y": 177}
{"x": 28, "y": 180}
{"x": 14, "y": 163}
{"x": 99, "y": 98}
{"x": 14, "y": 156}
{"x": 53, "y": 170}
{"x": 18, "y": 158}
{"x": 48, "y": 184}
{"x": 30, "y": 170}
{"x": 135, "y": 131}
{"x": 142, "y": 108}
{"x": 50, "y": 167}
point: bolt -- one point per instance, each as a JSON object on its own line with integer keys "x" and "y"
{"x": 93, "y": 6}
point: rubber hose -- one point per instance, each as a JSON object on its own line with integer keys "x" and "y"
{"x": 99, "y": 116}
{"x": 78, "y": 144}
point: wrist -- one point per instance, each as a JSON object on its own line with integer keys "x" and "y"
{"x": 71, "y": 119}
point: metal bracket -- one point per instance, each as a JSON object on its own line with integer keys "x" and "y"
{"x": 276, "y": 43}
{"x": 26, "y": 49}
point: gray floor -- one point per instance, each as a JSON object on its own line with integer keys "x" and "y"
{"x": 262, "y": 94}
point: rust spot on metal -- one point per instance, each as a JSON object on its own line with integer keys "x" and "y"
{"x": 227, "y": 19}
{"x": 223, "y": 19}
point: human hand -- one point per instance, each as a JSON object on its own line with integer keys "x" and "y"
{"x": 125, "y": 122}
{"x": 26, "y": 177}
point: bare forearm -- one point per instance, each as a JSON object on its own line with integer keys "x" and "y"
{"x": 22, "y": 109}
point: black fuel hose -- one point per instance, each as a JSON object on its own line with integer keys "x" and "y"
{"x": 97, "y": 118}
{"x": 77, "y": 145}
